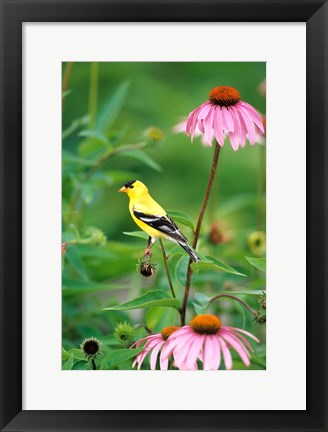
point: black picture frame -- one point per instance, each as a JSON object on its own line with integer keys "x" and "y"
{"x": 13, "y": 14}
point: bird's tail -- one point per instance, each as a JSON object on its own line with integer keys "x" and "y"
{"x": 190, "y": 252}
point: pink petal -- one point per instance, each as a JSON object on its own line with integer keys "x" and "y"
{"x": 239, "y": 337}
{"x": 192, "y": 120}
{"x": 140, "y": 358}
{"x": 226, "y": 353}
{"x": 152, "y": 343}
{"x": 208, "y": 126}
{"x": 154, "y": 354}
{"x": 212, "y": 353}
{"x": 244, "y": 332}
{"x": 239, "y": 348}
{"x": 195, "y": 347}
{"x": 188, "y": 367}
{"x": 203, "y": 113}
{"x": 249, "y": 125}
{"x": 191, "y": 124}
{"x": 218, "y": 126}
{"x": 138, "y": 343}
{"x": 163, "y": 363}
{"x": 253, "y": 113}
{"x": 243, "y": 130}
{"x": 235, "y": 138}
{"x": 228, "y": 124}
{"x": 182, "y": 348}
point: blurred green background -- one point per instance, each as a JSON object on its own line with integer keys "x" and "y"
{"x": 110, "y": 105}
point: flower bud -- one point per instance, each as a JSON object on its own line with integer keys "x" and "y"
{"x": 260, "y": 317}
{"x": 154, "y": 135}
{"x": 262, "y": 300}
{"x": 218, "y": 233}
{"x": 97, "y": 237}
{"x": 125, "y": 333}
{"x": 91, "y": 347}
{"x": 145, "y": 267}
{"x": 257, "y": 243}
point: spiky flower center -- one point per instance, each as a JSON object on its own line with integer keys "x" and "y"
{"x": 224, "y": 96}
{"x": 167, "y": 331}
{"x": 206, "y": 324}
{"x": 91, "y": 347}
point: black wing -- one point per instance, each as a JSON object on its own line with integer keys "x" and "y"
{"x": 166, "y": 225}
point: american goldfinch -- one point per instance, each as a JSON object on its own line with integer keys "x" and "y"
{"x": 152, "y": 218}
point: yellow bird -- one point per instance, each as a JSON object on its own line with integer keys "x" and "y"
{"x": 153, "y": 219}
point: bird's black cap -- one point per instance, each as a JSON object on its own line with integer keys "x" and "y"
{"x": 130, "y": 184}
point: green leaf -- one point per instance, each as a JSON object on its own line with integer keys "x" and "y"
{"x": 92, "y": 149}
{"x": 257, "y": 360}
{"x": 200, "y": 309}
{"x": 142, "y": 157}
{"x": 73, "y": 257}
{"x": 82, "y": 365}
{"x": 201, "y": 303}
{"x": 70, "y": 158}
{"x": 111, "y": 110}
{"x": 74, "y": 126}
{"x": 90, "y": 133}
{"x": 65, "y": 354}
{"x": 213, "y": 263}
{"x": 114, "y": 358}
{"x": 77, "y": 287}
{"x": 78, "y": 354}
{"x": 139, "y": 234}
{"x": 182, "y": 218}
{"x": 259, "y": 263}
{"x": 148, "y": 299}
{"x": 158, "y": 318}
{"x": 88, "y": 191}
{"x": 68, "y": 365}
{"x": 181, "y": 269}
{"x": 238, "y": 202}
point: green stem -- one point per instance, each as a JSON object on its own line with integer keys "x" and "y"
{"x": 216, "y": 155}
{"x": 94, "y": 367}
{"x": 93, "y": 94}
{"x": 261, "y": 188}
{"x": 250, "y": 309}
{"x": 167, "y": 268}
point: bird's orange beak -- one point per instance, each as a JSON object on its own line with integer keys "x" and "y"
{"x": 123, "y": 189}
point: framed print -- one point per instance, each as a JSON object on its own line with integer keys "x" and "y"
{"x": 163, "y": 230}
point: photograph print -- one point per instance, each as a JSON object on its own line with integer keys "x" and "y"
{"x": 164, "y": 216}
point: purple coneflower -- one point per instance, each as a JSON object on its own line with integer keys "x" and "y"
{"x": 225, "y": 114}
{"x": 154, "y": 344}
{"x": 207, "y": 340}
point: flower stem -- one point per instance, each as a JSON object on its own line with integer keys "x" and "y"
{"x": 94, "y": 367}
{"x": 250, "y": 309}
{"x": 167, "y": 268}
{"x": 198, "y": 227}
{"x": 261, "y": 188}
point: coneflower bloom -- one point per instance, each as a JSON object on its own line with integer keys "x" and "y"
{"x": 205, "y": 339}
{"x": 154, "y": 344}
{"x": 225, "y": 114}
